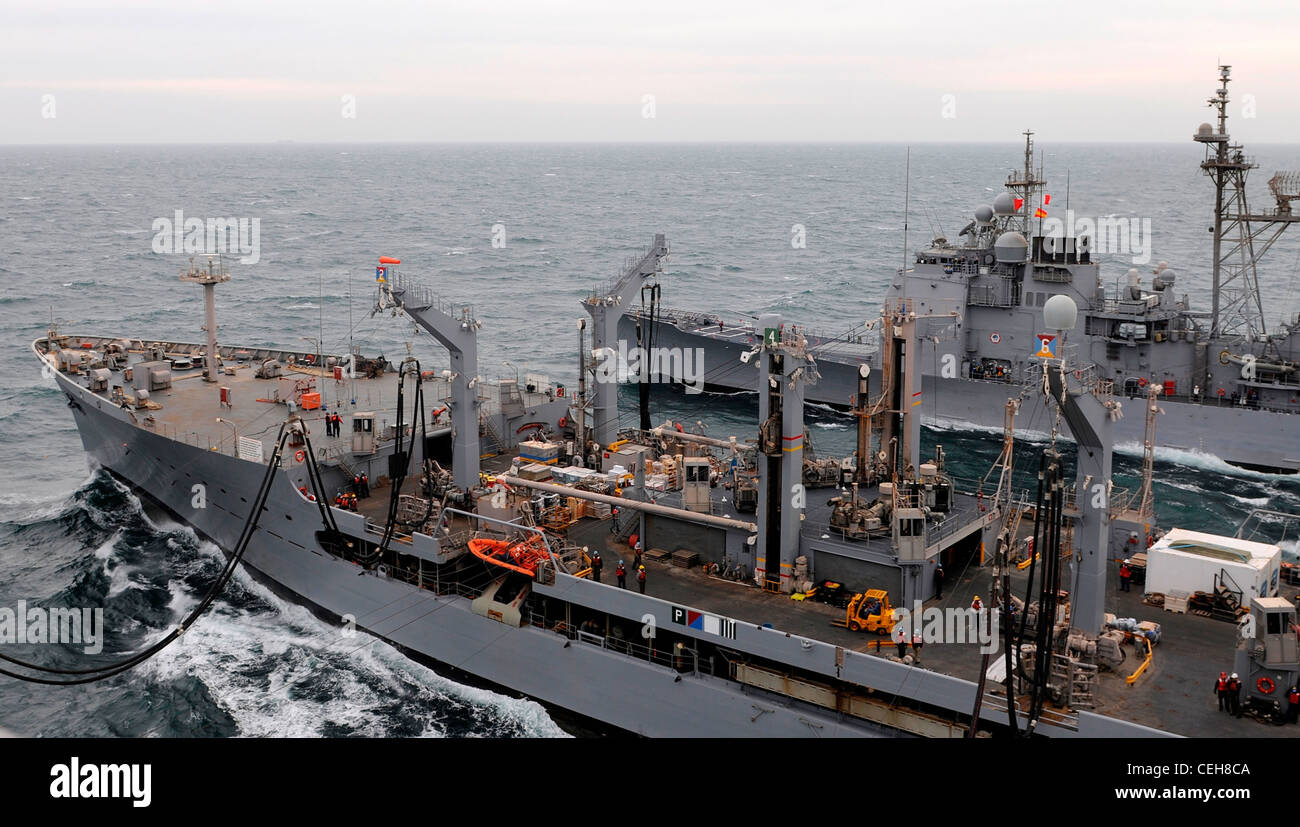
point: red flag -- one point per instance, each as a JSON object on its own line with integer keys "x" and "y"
{"x": 1020, "y": 202}
{"x": 1047, "y": 199}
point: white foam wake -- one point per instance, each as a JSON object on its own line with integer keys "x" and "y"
{"x": 320, "y": 682}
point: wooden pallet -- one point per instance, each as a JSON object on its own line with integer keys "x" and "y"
{"x": 682, "y": 558}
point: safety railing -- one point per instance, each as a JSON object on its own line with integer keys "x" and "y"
{"x": 877, "y": 540}
{"x": 997, "y": 705}
{"x": 687, "y": 660}
{"x": 991, "y": 295}
{"x": 417, "y": 296}
{"x": 821, "y": 342}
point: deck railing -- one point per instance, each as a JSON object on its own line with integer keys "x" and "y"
{"x": 687, "y": 661}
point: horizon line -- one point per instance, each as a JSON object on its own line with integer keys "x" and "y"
{"x": 629, "y": 142}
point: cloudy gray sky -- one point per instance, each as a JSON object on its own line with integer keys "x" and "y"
{"x": 513, "y": 70}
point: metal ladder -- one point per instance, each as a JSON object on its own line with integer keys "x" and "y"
{"x": 485, "y": 425}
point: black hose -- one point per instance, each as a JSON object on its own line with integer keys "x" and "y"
{"x": 1044, "y": 639}
{"x": 104, "y": 672}
{"x": 1033, "y": 555}
{"x": 391, "y": 526}
{"x": 318, "y": 485}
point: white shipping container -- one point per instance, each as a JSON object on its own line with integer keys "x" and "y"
{"x": 1190, "y": 561}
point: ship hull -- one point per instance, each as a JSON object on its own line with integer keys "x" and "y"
{"x": 1260, "y": 440}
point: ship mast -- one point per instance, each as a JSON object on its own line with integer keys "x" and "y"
{"x": 1237, "y": 308}
{"x": 209, "y": 278}
{"x": 1027, "y": 183}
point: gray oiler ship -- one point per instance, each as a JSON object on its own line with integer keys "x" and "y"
{"x": 1231, "y": 386}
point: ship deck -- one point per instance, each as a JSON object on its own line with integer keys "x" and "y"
{"x": 192, "y": 410}
{"x": 1175, "y": 693}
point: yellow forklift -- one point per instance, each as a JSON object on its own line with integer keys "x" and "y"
{"x": 869, "y": 611}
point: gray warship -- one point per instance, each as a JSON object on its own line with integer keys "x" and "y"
{"x": 1230, "y": 385}
{"x": 471, "y": 532}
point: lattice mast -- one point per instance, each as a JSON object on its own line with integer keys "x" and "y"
{"x": 1241, "y": 238}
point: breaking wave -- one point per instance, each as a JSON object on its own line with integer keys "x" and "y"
{"x": 253, "y": 665}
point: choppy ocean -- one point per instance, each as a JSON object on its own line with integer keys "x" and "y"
{"x": 76, "y": 244}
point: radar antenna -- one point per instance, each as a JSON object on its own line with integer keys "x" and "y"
{"x": 1027, "y": 183}
{"x": 1241, "y": 238}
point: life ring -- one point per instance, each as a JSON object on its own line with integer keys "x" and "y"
{"x": 995, "y": 337}
{"x": 1222, "y": 392}
{"x": 1078, "y": 374}
{"x": 1265, "y": 685}
{"x": 300, "y": 456}
{"x": 1142, "y": 381}
{"x": 564, "y": 421}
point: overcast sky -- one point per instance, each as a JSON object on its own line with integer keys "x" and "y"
{"x": 513, "y": 70}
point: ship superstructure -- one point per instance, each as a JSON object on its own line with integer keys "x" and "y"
{"x": 1230, "y": 384}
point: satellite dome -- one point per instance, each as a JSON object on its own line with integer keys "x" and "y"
{"x": 984, "y": 214}
{"x": 1004, "y": 204}
{"x": 1205, "y": 130}
{"x": 1060, "y": 312}
{"x": 1011, "y": 248}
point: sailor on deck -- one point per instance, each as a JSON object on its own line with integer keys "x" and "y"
{"x": 1234, "y": 695}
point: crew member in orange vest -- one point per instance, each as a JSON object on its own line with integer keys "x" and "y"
{"x": 1221, "y": 689}
{"x": 1125, "y": 576}
{"x": 1234, "y": 695}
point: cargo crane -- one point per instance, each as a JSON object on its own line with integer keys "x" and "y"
{"x": 455, "y": 327}
{"x": 605, "y": 306}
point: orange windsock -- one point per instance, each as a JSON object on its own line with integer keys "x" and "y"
{"x": 387, "y": 260}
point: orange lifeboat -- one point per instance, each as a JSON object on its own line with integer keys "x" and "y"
{"x": 517, "y": 555}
